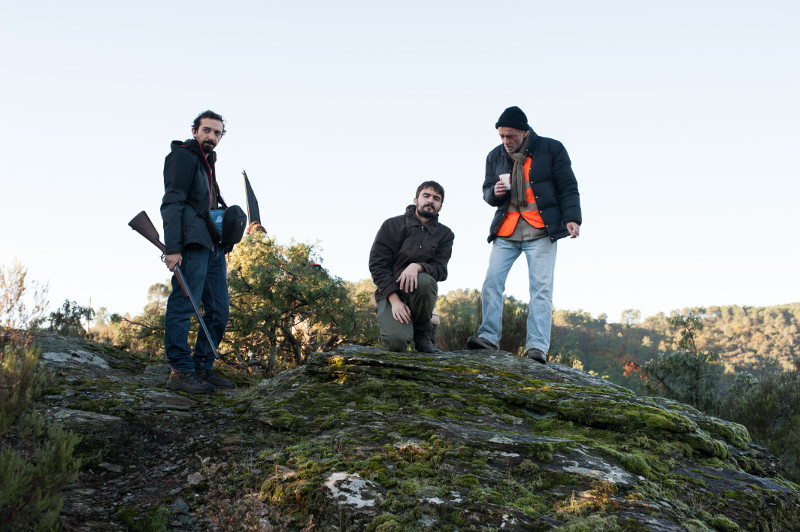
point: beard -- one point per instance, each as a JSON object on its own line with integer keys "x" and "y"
{"x": 429, "y": 213}
{"x": 208, "y": 146}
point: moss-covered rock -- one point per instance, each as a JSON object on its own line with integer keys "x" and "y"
{"x": 366, "y": 439}
{"x": 363, "y": 439}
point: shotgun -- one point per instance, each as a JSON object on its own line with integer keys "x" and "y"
{"x": 141, "y": 224}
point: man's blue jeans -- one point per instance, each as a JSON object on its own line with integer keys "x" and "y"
{"x": 541, "y": 255}
{"x": 205, "y": 274}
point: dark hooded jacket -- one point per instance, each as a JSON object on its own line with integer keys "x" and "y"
{"x": 405, "y": 239}
{"x": 555, "y": 188}
{"x": 190, "y": 190}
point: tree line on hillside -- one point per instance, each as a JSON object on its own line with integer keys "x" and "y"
{"x": 731, "y": 361}
{"x": 756, "y": 340}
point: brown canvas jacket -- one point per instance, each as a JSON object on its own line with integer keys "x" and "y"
{"x": 402, "y": 240}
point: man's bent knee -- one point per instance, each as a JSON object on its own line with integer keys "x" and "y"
{"x": 426, "y": 282}
{"x": 396, "y": 343}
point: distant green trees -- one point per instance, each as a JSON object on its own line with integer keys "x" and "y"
{"x": 461, "y": 315}
{"x": 143, "y": 332}
{"x": 68, "y": 320}
{"x": 688, "y": 374}
{"x": 747, "y": 339}
{"x": 738, "y": 363}
{"x": 769, "y": 406}
{"x": 365, "y": 324}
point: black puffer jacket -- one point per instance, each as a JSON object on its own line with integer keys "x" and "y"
{"x": 187, "y": 191}
{"x": 405, "y": 239}
{"x": 552, "y": 180}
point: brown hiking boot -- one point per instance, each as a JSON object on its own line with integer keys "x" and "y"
{"x": 187, "y": 381}
{"x": 207, "y": 375}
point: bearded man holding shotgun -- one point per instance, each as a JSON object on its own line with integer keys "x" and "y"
{"x": 191, "y": 194}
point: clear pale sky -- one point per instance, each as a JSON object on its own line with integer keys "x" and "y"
{"x": 681, "y": 120}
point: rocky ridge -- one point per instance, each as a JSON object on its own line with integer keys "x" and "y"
{"x": 363, "y": 439}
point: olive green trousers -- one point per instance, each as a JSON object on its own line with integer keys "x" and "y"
{"x": 396, "y": 335}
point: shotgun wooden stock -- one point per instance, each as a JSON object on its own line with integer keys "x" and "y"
{"x": 141, "y": 224}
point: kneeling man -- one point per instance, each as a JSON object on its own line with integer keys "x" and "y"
{"x": 409, "y": 256}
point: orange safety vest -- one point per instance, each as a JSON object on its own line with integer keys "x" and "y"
{"x": 529, "y": 212}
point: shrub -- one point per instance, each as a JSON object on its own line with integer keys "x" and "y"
{"x": 365, "y": 324}
{"x": 67, "y": 320}
{"x": 461, "y": 315}
{"x": 284, "y": 306}
{"x": 688, "y": 375}
{"x": 144, "y": 332}
{"x": 770, "y": 409}
{"x": 566, "y": 355}
{"x": 22, "y": 303}
{"x": 36, "y": 460}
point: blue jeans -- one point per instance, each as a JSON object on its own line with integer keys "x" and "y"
{"x": 541, "y": 255}
{"x": 206, "y": 277}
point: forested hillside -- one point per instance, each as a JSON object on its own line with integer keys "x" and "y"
{"x": 748, "y": 339}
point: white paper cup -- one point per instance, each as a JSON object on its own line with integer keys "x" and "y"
{"x": 506, "y": 179}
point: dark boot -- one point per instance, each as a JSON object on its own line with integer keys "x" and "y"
{"x": 478, "y": 342}
{"x": 536, "y": 354}
{"x": 186, "y": 381}
{"x": 212, "y": 378}
{"x": 426, "y": 346}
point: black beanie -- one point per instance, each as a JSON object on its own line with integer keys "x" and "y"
{"x": 513, "y": 117}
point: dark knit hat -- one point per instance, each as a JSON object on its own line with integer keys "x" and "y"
{"x": 513, "y": 117}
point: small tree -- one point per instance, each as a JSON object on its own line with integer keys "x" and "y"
{"x": 68, "y": 319}
{"x": 22, "y": 303}
{"x": 631, "y": 317}
{"x": 365, "y": 325}
{"x": 687, "y": 375}
{"x": 769, "y": 407}
{"x": 284, "y": 305}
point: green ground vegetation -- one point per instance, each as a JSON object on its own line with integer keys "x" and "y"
{"x": 36, "y": 456}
